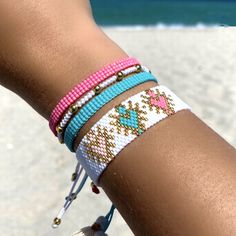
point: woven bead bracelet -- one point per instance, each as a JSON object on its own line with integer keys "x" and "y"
{"x": 95, "y": 91}
{"x": 86, "y": 85}
{"x": 98, "y": 102}
{"x": 122, "y": 124}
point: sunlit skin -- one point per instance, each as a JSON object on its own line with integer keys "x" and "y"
{"x": 178, "y": 178}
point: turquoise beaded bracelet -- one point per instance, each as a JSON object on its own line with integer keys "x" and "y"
{"x": 98, "y": 102}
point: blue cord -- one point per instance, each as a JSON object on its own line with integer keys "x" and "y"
{"x": 109, "y": 217}
{"x": 81, "y": 185}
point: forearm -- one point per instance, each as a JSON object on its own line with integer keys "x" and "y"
{"x": 47, "y": 63}
{"x": 176, "y": 179}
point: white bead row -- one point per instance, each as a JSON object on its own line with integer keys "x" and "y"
{"x": 89, "y": 95}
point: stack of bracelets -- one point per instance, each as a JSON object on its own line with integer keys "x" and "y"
{"x": 116, "y": 129}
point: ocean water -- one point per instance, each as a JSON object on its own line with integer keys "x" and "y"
{"x": 161, "y": 13}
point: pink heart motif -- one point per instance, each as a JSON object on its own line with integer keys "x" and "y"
{"x": 161, "y": 102}
{"x": 151, "y": 94}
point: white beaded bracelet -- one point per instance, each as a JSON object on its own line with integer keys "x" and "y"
{"x": 88, "y": 96}
{"x": 122, "y": 124}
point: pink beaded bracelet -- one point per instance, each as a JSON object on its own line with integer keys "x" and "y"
{"x": 86, "y": 85}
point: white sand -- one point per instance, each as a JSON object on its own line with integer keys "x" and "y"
{"x": 199, "y": 65}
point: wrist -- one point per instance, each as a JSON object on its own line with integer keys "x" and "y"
{"x": 55, "y": 69}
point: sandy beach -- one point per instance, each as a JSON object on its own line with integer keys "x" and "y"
{"x": 199, "y": 65}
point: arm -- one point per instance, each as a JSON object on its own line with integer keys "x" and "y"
{"x": 159, "y": 185}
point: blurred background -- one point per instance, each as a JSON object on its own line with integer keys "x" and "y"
{"x": 183, "y": 45}
{"x": 161, "y": 13}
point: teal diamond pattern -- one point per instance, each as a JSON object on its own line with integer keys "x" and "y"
{"x": 131, "y": 121}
